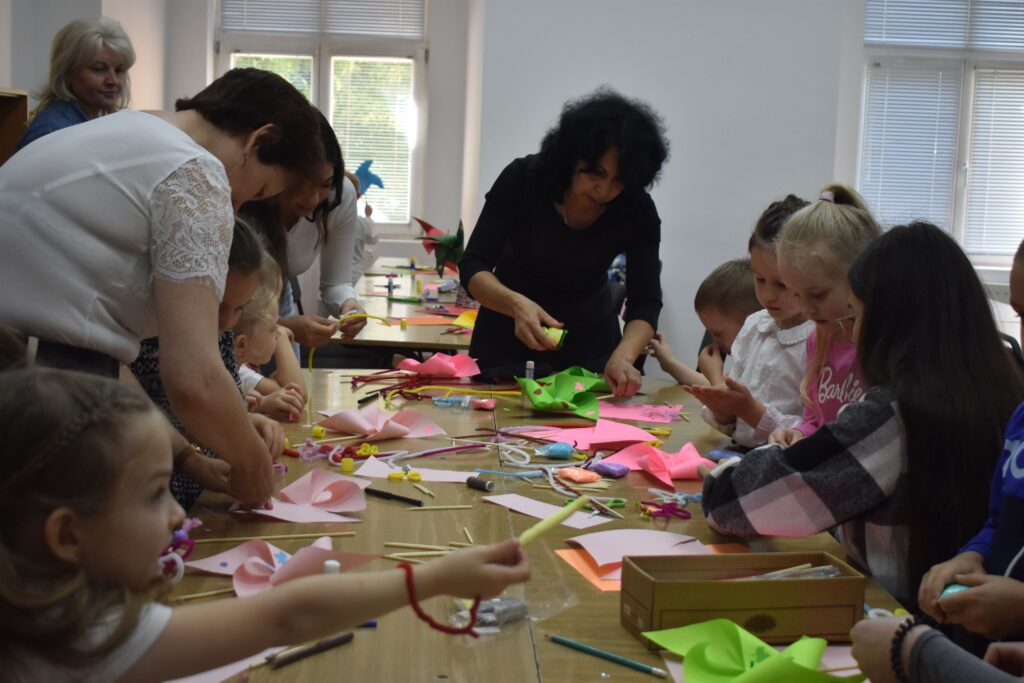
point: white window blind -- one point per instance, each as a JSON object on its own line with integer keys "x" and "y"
{"x": 994, "y": 214}
{"x": 296, "y": 69}
{"x": 964, "y": 24}
{"x": 374, "y": 115}
{"x": 377, "y": 18}
{"x": 908, "y": 153}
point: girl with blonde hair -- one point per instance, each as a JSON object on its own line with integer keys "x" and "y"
{"x": 89, "y": 63}
{"x": 816, "y": 247}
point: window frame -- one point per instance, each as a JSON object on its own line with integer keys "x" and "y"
{"x": 990, "y": 268}
{"x": 322, "y": 48}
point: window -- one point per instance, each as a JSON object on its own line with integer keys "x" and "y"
{"x": 943, "y": 123}
{"x": 360, "y": 62}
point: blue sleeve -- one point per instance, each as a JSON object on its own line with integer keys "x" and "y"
{"x": 982, "y": 542}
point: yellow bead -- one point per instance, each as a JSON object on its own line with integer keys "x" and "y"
{"x": 319, "y": 432}
{"x": 347, "y": 465}
{"x": 415, "y": 476}
{"x": 396, "y": 476}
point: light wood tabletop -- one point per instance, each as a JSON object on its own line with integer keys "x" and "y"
{"x": 425, "y": 265}
{"x": 413, "y": 337}
{"x": 561, "y": 601}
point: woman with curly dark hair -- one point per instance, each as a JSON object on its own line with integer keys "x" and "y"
{"x": 552, "y": 224}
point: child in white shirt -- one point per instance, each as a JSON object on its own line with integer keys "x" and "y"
{"x": 258, "y": 338}
{"x": 769, "y": 351}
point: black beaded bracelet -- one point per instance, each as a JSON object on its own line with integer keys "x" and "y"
{"x": 896, "y": 650}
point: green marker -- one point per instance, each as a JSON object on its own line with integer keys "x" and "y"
{"x": 610, "y": 656}
{"x": 405, "y": 299}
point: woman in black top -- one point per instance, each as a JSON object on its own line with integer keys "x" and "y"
{"x": 552, "y": 224}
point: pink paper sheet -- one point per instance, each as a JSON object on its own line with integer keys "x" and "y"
{"x": 317, "y": 496}
{"x": 442, "y": 365}
{"x": 604, "y": 434}
{"x": 378, "y": 424}
{"x": 638, "y": 412}
{"x": 380, "y": 469}
{"x": 607, "y": 548}
{"x": 584, "y": 564}
{"x": 258, "y": 565}
{"x": 661, "y": 465}
{"x": 535, "y": 508}
{"x": 581, "y": 561}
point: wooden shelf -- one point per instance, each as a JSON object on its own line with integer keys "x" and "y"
{"x": 13, "y": 120}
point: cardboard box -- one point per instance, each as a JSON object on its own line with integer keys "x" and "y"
{"x": 666, "y": 592}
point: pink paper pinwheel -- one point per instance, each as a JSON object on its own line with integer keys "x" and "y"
{"x": 317, "y": 496}
{"x": 378, "y": 424}
{"x": 257, "y": 565}
{"x": 604, "y": 434}
{"x": 442, "y": 365}
{"x": 661, "y": 465}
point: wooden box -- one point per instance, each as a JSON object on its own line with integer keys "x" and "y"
{"x": 667, "y": 592}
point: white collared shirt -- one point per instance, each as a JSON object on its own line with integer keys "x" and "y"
{"x": 771, "y": 362}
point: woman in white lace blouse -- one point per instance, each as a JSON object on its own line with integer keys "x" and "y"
{"x": 119, "y": 229}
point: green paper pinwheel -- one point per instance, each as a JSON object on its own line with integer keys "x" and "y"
{"x": 719, "y": 651}
{"x": 571, "y": 390}
{"x": 447, "y": 249}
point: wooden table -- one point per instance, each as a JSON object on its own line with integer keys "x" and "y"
{"x": 561, "y": 601}
{"x": 384, "y": 265}
{"x": 414, "y": 337}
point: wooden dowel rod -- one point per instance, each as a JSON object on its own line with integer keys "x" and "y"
{"x": 207, "y": 594}
{"x": 414, "y": 546}
{"x": 272, "y": 537}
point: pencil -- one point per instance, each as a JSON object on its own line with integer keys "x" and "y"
{"x": 387, "y": 495}
{"x": 610, "y": 656}
{"x": 294, "y": 654}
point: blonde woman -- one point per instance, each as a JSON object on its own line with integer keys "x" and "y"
{"x": 89, "y": 64}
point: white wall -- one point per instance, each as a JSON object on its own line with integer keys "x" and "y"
{"x": 446, "y": 89}
{"x": 5, "y": 42}
{"x": 32, "y": 26}
{"x": 145, "y": 23}
{"x": 748, "y": 90}
{"x": 188, "y": 67}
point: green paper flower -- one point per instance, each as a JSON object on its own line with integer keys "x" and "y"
{"x": 572, "y": 390}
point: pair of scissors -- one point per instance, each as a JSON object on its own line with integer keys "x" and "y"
{"x": 650, "y": 509}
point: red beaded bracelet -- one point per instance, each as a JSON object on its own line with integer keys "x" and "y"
{"x": 450, "y": 630}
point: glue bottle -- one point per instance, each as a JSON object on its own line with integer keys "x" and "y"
{"x": 528, "y": 374}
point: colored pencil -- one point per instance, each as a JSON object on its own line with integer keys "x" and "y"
{"x": 610, "y": 656}
{"x": 294, "y": 654}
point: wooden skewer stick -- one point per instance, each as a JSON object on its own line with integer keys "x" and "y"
{"x": 399, "y": 558}
{"x": 207, "y": 594}
{"x": 460, "y": 544}
{"x": 340, "y": 438}
{"x": 423, "y": 553}
{"x": 425, "y": 490}
{"x": 469, "y": 536}
{"x": 426, "y": 508}
{"x": 414, "y": 546}
{"x": 275, "y": 537}
{"x": 272, "y": 537}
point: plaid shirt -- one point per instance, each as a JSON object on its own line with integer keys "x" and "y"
{"x": 851, "y": 473}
